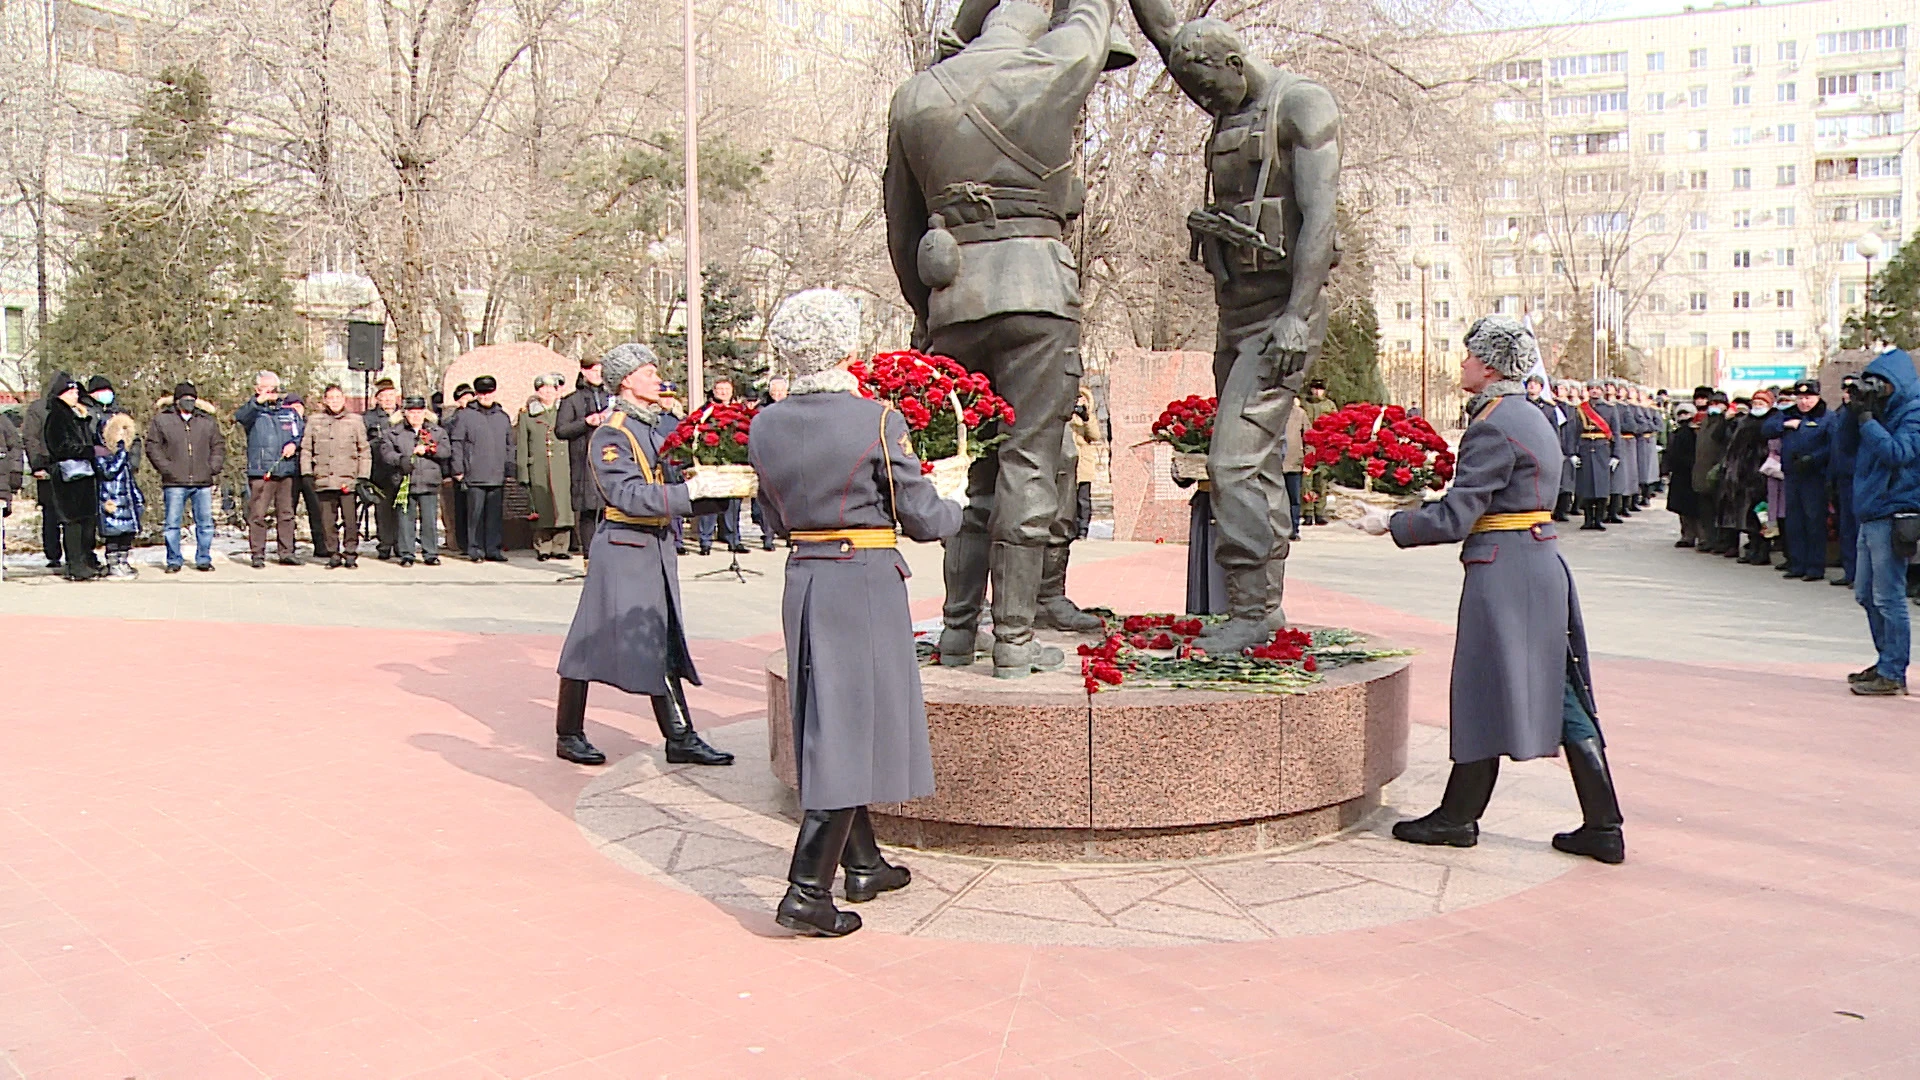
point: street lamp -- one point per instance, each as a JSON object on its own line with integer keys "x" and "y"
{"x": 1423, "y": 262}
{"x": 1868, "y": 246}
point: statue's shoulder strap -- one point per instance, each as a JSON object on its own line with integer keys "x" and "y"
{"x": 994, "y": 135}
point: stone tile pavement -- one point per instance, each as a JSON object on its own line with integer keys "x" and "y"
{"x": 234, "y": 846}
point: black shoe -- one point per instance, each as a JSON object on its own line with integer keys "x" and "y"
{"x": 1814, "y": 577}
{"x": 1843, "y": 583}
{"x": 560, "y": 557}
{"x": 259, "y": 562}
{"x": 706, "y": 549}
{"x": 577, "y": 749}
{"x": 868, "y": 874}
{"x": 1869, "y": 672}
{"x": 808, "y": 905}
{"x": 353, "y": 562}
{"x": 684, "y": 745}
{"x": 541, "y": 556}
{"x": 383, "y": 554}
{"x": 476, "y": 558}
{"x": 739, "y": 549}
{"x": 1456, "y": 822}
{"x": 680, "y": 549}
{"x": 1879, "y": 686}
{"x": 405, "y": 561}
{"x": 176, "y": 568}
{"x": 766, "y": 547}
{"x": 290, "y": 560}
{"x": 1683, "y": 543}
{"x": 1598, "y": 836}
{"x": 336, "y": 562}
{"x": 496, "y": 558}
{"x": 53, "y": 564}
{"x": 431, "y": 560}
{"x": 204, "y": 567}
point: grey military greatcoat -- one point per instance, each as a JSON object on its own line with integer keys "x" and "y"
{"x": 1598, "y": 444}
{"x": 627, "y": 631}
{"x": 1626, "y": 430}
{"x": 1520, "y": 634}
{"x": 831, "y": 462}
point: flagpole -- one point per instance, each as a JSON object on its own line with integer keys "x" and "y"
{"x": 696, "y": 347}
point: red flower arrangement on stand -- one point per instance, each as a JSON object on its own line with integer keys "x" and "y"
{"x": 1187, "y": 426}
{"x": 952, "y": 414}
{"x": 715, "y": 439}
{"x": 1379, "y": 448}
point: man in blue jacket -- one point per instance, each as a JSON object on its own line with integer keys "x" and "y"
{"x": 1805, "y": 448}
{"x": 1844, "y": 435}
{"x": 273, "y": 466}
{"x": 1886, "y": 482}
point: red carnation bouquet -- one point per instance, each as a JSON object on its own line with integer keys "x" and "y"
{"x": 1187, "y": 426}
{"x": 952, "y": 414}
{"x": 1379, "y": 448}
{"x": 715, "y": 438}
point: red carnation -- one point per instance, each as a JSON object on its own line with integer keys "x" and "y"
{"x": 1376, "y": 468}
{"x": 1403, "y": 475}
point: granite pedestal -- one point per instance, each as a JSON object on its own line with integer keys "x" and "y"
{"x": 1039, "y": 769}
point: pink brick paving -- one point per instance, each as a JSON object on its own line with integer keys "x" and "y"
{"x": 239, "y": 851}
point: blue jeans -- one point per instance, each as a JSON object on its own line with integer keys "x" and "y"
{"x": 176, "y": 506}
{"x": 1880, "y": 585}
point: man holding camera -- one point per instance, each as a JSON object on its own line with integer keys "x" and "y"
{"x": 274, "y": 431}
{"x": 1882, "y": 429}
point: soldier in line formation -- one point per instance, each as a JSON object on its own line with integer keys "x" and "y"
{"x": 1610, "y": 434}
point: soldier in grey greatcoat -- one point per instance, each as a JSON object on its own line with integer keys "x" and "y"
{"x": 837, "y": 472}
{"x": 627, "y": 631}
{"x": 979, "y": 189}
{"x": 1599, "y": 453}
{"x": 1521, "y": 684}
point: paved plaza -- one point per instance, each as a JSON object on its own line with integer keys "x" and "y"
{"x": 301, "y": 823}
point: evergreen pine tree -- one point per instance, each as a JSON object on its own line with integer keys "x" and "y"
{"x": 1350, "y": 359}
{"x": 180, "y": 278}
{"x": 1892, "y": 312}
{"x": 725, "y": 312}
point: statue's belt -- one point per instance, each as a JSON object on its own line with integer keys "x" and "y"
{"x": 974, "y": 212}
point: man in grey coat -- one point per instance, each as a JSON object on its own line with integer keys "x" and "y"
{"x": 1521, "y": 684}
{"x": 482, "y": 460}
{"x": 627, "y": 631}
{"x": 837, "y": 471}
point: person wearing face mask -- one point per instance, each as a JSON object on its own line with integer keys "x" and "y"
{"x": 185, "y": 448}
{"x": 1744, "y": 486}
{"x": 71, "y": 472}
{"x": 1709, "y": 473}
{"x": 542, "y": 461}
{"x": 1521, "y": 685}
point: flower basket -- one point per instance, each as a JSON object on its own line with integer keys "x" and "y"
{"x": 736, "y": 481}
{"x": 714, "y": 435}
{"x": 1189, "y": 466}
{"x": 952, "y": 415}
{"x": 1187, "y": 426}
{"x": 1368, "y": 450}
{"x": 1348, "y": 504}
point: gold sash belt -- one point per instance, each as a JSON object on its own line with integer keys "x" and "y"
{"x": 624, "y": 518}
{"x": 859, "y": 538}
{"x": 1512, "y": 522}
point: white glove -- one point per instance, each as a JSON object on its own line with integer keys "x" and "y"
{"x": 1375, "y": 522}
{"x": 702, "y": 485}
{"x": 1612, "y": 464}
{"x": 1575, "y": 459}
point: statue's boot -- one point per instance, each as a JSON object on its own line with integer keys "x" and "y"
{"x": 1016, "y": 583}
{"x": 1053, "y": 611}
{"x": 965, "y": 569}
{"x": 1456, "y": 822}
{"x": 868, "y": 873}
{"x": 1598, "y": 836}
{"x": 1253, "y": 611}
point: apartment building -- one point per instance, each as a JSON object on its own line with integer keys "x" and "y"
{"x": 1704, "y": 181}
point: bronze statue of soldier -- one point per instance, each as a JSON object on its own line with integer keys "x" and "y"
{"x": 1266, "y": 234}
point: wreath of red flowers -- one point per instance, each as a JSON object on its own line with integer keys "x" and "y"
{"x": 716, "y": 435}
{"x": 1187, "y": 424}
{"x": 1366, "y": 444}
{"x": 925, "y": 389}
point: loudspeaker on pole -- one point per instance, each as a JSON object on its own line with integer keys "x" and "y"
{"x": 366, "y": 346}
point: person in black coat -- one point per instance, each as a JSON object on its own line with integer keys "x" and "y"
{"x": 70, "y": 472}
{"x": 1681, "y": 498}
{"x": 34, "y": 429}
{"x": 483, "y": 452}
{"x": 574, "y": 420}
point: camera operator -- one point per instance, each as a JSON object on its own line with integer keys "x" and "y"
{"x": 1883, "y": 431}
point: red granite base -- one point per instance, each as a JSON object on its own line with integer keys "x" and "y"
{"x": 1036, "y": 768}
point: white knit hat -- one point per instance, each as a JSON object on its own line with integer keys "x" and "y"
{"x": 814, "y": 330}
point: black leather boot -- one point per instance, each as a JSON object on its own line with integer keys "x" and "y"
{"x": 684, "y": 745}
{"x": 1613, "y": 510}
{"x": 1599, "y": 835}
{"x": 1591, "y": 509}
{"x": 570, "y": 724}
{"x": 1457, "y": 821}
{"x": 1561, "y": 505}
{"x": 868, "y": 873}
{"x": 808, "y": 905}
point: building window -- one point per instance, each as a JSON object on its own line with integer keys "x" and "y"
{"x": 1697, "y": 301}
{"x": 787, "y": 12}
{"x": 1697, "y": 179}
{"x": 1443, "y": 271}
{"x": 1743, "y": 95}
{"x": 1783, "y": 216}
{"x": 1697, "y": 140}
{"x": 1742, "y": 339}
{"x": 1406, "y": 272}
{"x": 1698, "y": 341}
{"x": 1786, "y": 91}
{"x": 1657, "y": 143}
{"x": 1656, "y": 223}
{"x": 1442, "y": 234}
{"x": 1787, "y": 51}
{"x": 1403, "y": 196}
{"x": 1743, "y": 299}
{"x": 1698, "y": 260}
{"x": 1403, "y": 310}
{"x": 1853, "y": 41}
{"x": 1742, "y": 54}
{"x": 1742, "y": 179}
{"x": 1697, "y": 221}
{"x": 1785, "y": 175}
{"x": 1880, "y": 209}
{"x": 1443, "y": 345}
{"x": 1783, "y": 339}
{"x": 16, "y": 327}
{"x": 1443, "y": 309}
{"x": 1894, "y": 79}
{"x": 1742, "y": 136}
{"x": 1403, "y": 235}
{"x": 1404, "y": 345}
{"x": 1783, "y": 256}
{"x": 1697, "y": 97}
{"x": 1743, "y": 219}
{"x": 1743, "y": 260}
{"x": 1656, "y": 341}
{"x": 1561, "y": 67}
{"x": 1783, "y": 298}
{"x": 1837, "y": 85}
{"x": 1696, "y": 58}
{"x": 1443, "y": 196}
{"x": 1656, "y": 61}
{"x": 1788, "y": 133}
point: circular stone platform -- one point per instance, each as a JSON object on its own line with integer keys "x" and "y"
{"x": 727, "y": 834}
{"x": 1037, "y": 768}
